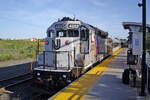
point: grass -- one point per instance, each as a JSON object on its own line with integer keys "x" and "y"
{"x": 17, "y": 49}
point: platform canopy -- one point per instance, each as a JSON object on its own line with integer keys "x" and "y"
{"x": 135, "y": 36}
{"x": 127, "y": 25}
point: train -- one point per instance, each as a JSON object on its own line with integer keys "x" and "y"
{"x": 71, "y": 48}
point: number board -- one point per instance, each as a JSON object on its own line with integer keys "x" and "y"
{"x": 59, "y": 26}
{"x": 73, "y": 25}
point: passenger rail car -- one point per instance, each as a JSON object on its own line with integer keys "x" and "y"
{"x": 116, "y": 44}
{"x": 71, "y": 47}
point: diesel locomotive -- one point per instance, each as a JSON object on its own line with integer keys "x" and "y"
{"x": 71, "y": 48}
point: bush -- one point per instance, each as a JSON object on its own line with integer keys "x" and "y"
{"x": 4, "y": 57}
{"x": 17, "y": 49}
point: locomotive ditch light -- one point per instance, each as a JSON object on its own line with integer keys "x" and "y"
{"x": 64, "y": 76}
{"x": 38, "y": 74}
{"x": 46, "y": 42}
{"x": 38, "y": 78}
{"x": 67, "y": 43}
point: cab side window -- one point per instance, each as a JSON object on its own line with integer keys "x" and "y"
{"x": 84, "y": 35}
{"x": 50, "y": 33}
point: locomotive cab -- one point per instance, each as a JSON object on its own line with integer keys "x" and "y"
{"x": 61, "y": 47}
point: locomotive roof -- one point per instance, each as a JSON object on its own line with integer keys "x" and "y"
{"x": 66, "y": 20}
{"x": 100, "y": 32}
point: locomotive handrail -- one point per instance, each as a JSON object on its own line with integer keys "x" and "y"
{"x": 76, "y": 65}
{"x": 57, "y": 51}
{"x": 58, "y": 44}
{"x": 82, "y": 58}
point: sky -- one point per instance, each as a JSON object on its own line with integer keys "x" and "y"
{"x": 22, "y": 19}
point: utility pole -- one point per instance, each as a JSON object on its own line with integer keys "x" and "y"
{"x": 143, "y": 81}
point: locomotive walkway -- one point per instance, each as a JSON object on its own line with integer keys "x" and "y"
{"x": 101, "y": 83}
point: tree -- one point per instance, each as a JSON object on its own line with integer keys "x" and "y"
{"x": 148, "y": 42}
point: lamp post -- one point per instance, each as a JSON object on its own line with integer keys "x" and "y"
{"x": 143, "y": 66}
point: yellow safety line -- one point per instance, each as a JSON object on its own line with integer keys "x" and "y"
{"x": 82, "y": 87}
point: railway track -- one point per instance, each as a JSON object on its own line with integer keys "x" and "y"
{"x": 41, "y": 96}
{"x": 6, "y": 83}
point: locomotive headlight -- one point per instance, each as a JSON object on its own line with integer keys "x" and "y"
{"x": 38, "y": 74}
{"x": 64, "y": 76}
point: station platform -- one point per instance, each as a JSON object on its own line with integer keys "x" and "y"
{"x": 15, "y": 70}
{"x": 101, "y": 83}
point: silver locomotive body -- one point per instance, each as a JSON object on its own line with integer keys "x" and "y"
{"x": 71, "y": 48}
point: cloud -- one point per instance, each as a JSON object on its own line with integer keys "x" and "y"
{"x": 39, "y": 3}
{"x": 97, "y": 3}
{"x": 33, "y": 18}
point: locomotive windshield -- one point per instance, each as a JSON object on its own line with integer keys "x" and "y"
{"x": 68, "y": 33}
{"x": 61, "y": 33}
{"x": 73, "y": 33}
